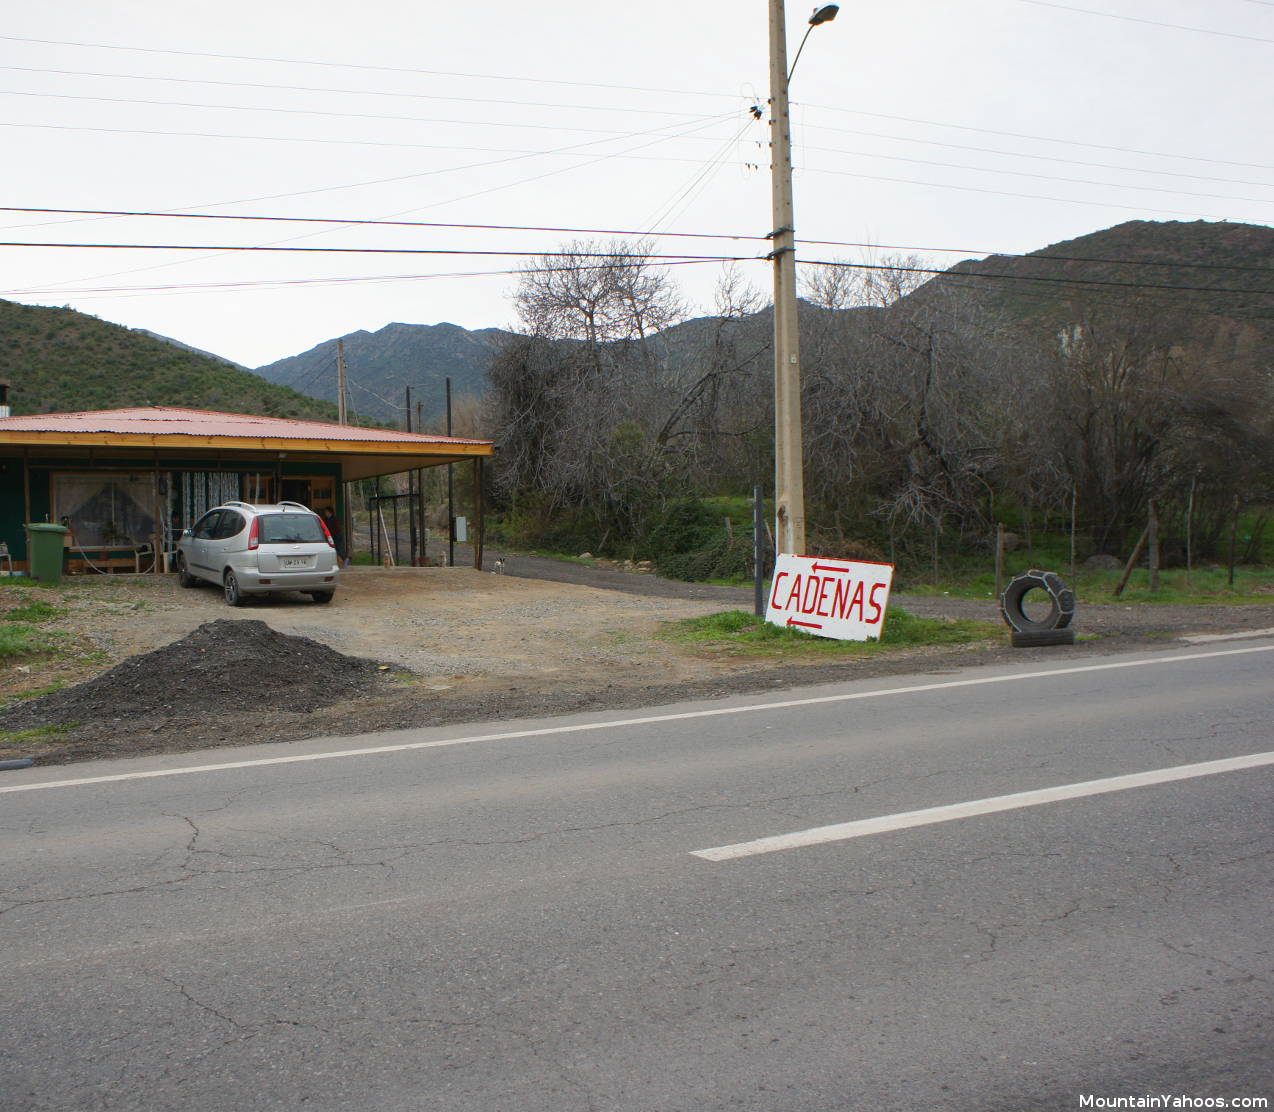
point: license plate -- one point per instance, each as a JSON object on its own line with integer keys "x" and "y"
{"x": 294, "y": 562}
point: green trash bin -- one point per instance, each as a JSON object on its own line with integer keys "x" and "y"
{"x": 44, "y": 551}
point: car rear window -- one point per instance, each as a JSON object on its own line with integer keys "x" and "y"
{"x": 290, "y": 529}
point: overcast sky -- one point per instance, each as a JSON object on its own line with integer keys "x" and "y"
{"x": 949, "y": 130}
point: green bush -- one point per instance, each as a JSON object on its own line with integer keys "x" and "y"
{"x": 724, "y": 558}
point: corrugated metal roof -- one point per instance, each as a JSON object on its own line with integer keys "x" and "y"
{"x": 173, "y": 421}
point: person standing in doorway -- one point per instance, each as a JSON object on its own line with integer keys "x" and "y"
{"x": 338, "y": 535}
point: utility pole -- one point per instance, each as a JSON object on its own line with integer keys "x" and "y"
{"x": 789, "y": 485}
{"x": 789, "y": 472}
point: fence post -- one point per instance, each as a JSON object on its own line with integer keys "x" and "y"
{"x": 1152, "y": 542}
{"x": 758, "y": 553}
{"x": 999, "y": 558}
{"x": 1132, "y": 562}
{"x": 1234, "y": 533}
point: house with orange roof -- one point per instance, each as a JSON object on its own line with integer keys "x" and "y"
{"x": 129, "y": 480}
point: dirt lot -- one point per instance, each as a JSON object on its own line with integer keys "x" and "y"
{"x": 464, "y": 646}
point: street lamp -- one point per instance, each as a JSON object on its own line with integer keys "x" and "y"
{"x": 789, "y": 479}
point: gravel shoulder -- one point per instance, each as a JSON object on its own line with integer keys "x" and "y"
{"x": 463, "y": 646}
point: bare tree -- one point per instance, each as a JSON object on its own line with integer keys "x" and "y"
{"x": 596, "y": 292}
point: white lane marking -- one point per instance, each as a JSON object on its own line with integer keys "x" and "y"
{"x": 843, "y": 831}
{"x": 546, "y": 731}
{"x": 1206, "y": 638}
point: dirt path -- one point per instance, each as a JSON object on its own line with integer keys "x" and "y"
{"x": 466, "y": 646}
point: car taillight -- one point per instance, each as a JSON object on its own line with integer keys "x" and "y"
{"x": 327, "y": 534}
{"x": 254, "y": 534}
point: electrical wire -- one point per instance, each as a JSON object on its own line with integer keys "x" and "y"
{"x": 1193, "y": 213}
{"x": 1033, "y": 137}
{"x": 999, "y": 151}
{"x": 1148, "y": 22}
{"x": 1040, "y": 177}
{"x": 1040, "y": 278}
{"x": 347, "y": 115}
{"x": 632, "y": 233}
{"x": 367, "y": 68}
{"x": 662, "y": 259}
{"x": 655, "y": 132}
{"x": 352, "y": 222}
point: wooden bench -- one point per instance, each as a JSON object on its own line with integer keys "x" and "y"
{"x": 96, "y": 557}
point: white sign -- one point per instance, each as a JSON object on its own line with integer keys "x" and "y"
{"x": 843, "y": 599}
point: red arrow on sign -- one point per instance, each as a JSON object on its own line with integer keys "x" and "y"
{"x": 807, "y": 625}
{"x": 830, "y": 567}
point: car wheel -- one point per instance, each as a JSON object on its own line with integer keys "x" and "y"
{"x": 322, "y": 596}
{"x": 234, "y": 596}
{"x": 184, "y": 578}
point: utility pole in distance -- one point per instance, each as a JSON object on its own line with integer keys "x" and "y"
{"x": 451, "y": 495}
{"x": 342, "y": 417}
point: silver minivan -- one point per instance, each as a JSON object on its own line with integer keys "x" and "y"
{"x": 259, "y": 550}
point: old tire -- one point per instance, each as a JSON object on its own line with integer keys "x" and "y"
{"x": 234, "y": 596}
{"x": 1061, "y": 597}
{"x": 1038, "y": 639}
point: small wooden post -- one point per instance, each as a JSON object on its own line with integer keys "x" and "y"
{"x": 1074, "y": 506}
{"x": 758, "y": 553}
{"x": 1152, "y": 543}
{"x": 999, "y": 559}
{"x": 478, "y": 462}
{"x": 1190, "y": 531}
{"x": 1234, "y": 533}
{"x": 1132, "y": 562}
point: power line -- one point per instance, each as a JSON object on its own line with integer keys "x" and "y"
{"x": 1148, "y": 22}
{"x": 662, "y": 259}
{"x": 310, "y": 139}
{"x": 493, "y": 123}
{"x": 274, "y": 87}
{"x": 1037, "y": 138}
{"x": 1043, "y": 157}
{"x": 655, "y": 132}
{"x": 500, "y": 123}
{"x": 365, "y": 67}
{"x": 1040, "y": 177}
{"x": 1039, "y": 278}
{"x": 629, "y": 233}
{"x": 1024, "y": 196}
{"x": 346, "y": 115}
{"x": 362, "y": 250}
{"x": 378, "y": 223}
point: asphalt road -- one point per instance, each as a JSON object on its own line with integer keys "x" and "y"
{"x": 521, "y": 916}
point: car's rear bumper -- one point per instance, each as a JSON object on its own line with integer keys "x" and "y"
{"x": 253, "y": 582}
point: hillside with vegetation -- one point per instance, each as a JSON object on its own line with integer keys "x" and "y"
{"x": 58, "y": 360}
{"x": 1196, "y": 269}
{"x": 380, "y": 365}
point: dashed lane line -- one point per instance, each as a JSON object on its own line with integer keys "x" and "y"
{"x": 862, "y": 828}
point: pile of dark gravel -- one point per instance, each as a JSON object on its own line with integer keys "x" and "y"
{"x": 226, "y": 666}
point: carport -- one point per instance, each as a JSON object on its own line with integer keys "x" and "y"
{"x": 129, "y": 480}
